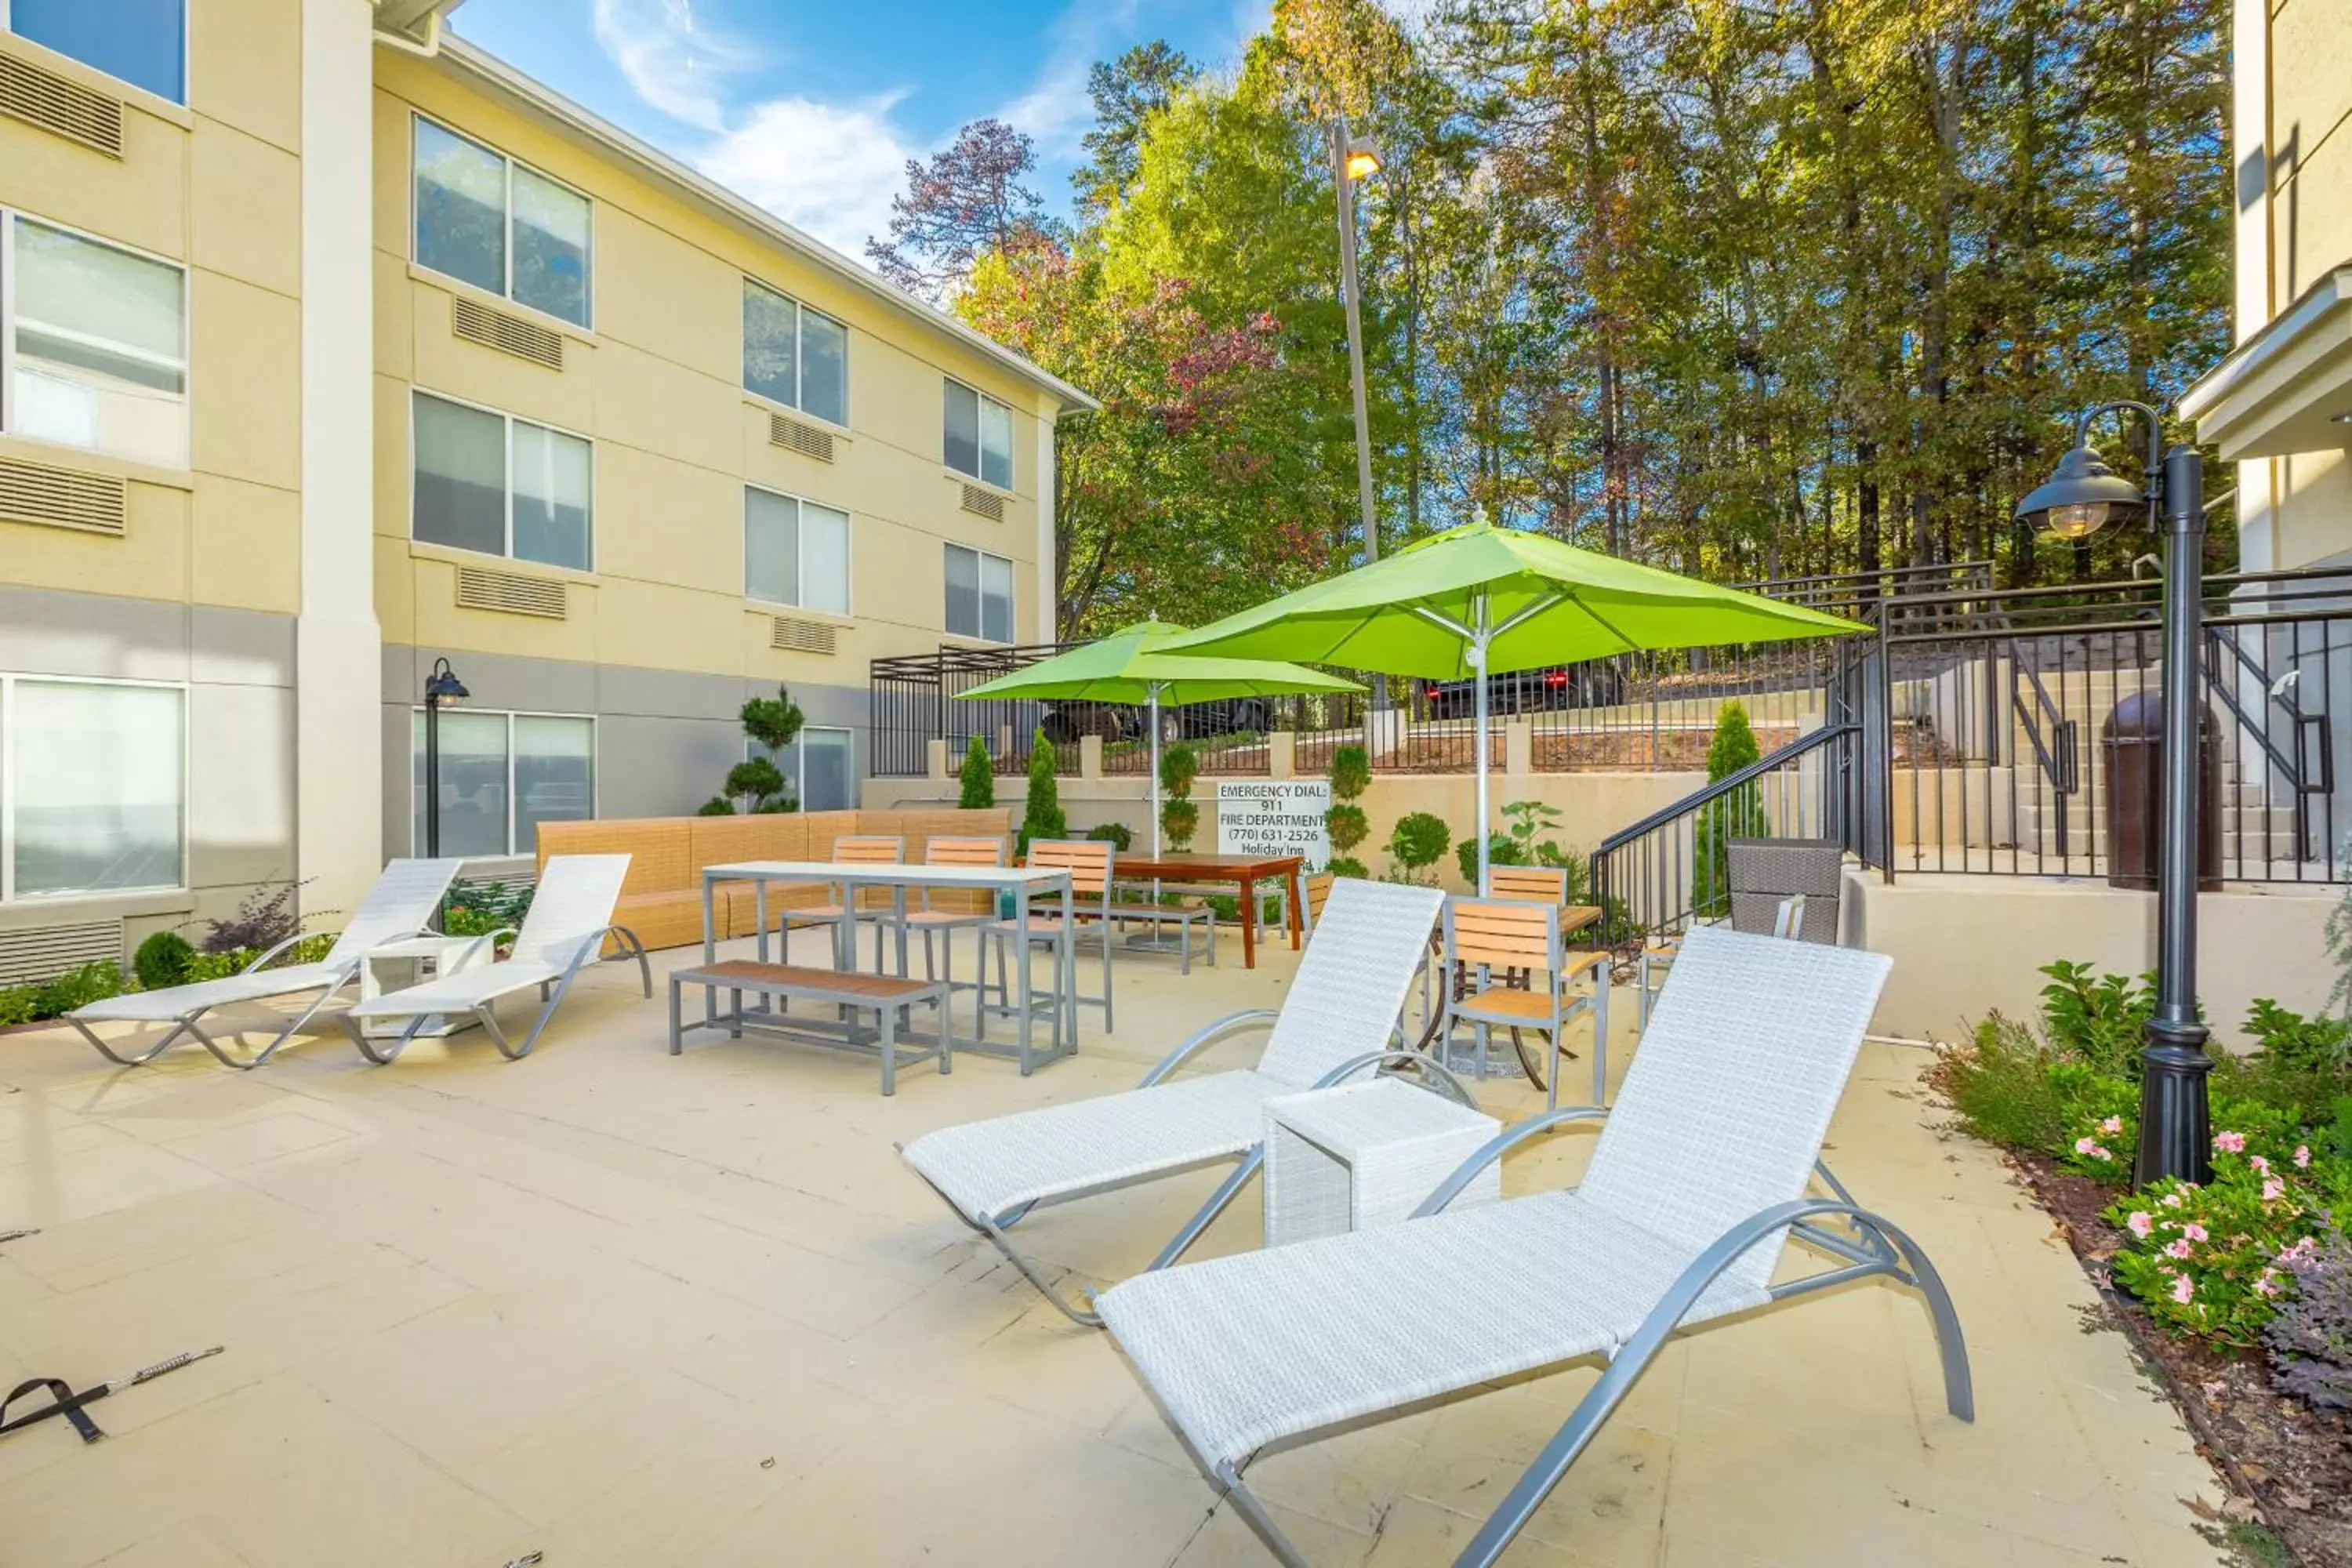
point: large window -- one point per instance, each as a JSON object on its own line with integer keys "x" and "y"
{"x": 819, "y": 768}
{"x": 485, "y": 219}
{"x": 93, "y": 344}
{"x": 92, "y": 787}
{"x": 502, "y": 774}
{"x": 980, "y": 594}
{"x": 978, "y": 436}
{"x": 795, "y": 553}
{"x": 142, "y": 42}
{"x": 794, "y": 356}
{"x": 503, "y": 486}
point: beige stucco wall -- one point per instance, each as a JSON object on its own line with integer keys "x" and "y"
{"x": 656, "y": 384}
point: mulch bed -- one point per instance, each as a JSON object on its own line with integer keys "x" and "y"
{"x": 2290, "y": 1466}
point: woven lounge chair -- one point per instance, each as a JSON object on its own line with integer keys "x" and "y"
{"x": 1699, "y": 1178}
{"x": 570, "y": 915}
{"x": 399, "y": 905}
{"x": 1337, "y": 1019}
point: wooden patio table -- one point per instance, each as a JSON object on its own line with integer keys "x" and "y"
{"x": 1245, "y": 871}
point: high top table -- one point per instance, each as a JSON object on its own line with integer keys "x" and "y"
{"x": 1025, "y": 883}
{"x": 1245, "y": 871}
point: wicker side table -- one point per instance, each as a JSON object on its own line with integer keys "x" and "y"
{"x": 1365, "y": 1154}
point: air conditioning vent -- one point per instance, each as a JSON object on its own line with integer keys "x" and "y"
{"x": 795, "y": 436}
{"x": 61, "y": 106}
{"x": 985, "y": 503}
{"x": 60, "y": 498}
{"x": 478, "y": 323}
{"x": 35, "y": 954}
{"x": 485, "y": 588}
{"x": 797, "y": 635}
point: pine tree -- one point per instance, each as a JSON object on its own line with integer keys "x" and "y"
{"x": 1044, "y": 817}
{"x": 977, "y": 778}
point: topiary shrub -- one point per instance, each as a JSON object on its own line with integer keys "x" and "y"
{"x": 1044, "y": 817}
{"x": 756, "y": 783}
{"x": 1736, "y": 815}
{"x": 1502, "y": 849}
{"x": 976, "y": 780}
{"x": 716, "y": 806}
{"x": 1416, "y": 843}
{"x": 1351, "y": 774}
{"x": 163, "y": 960}
{"x": 1178, "y": 818}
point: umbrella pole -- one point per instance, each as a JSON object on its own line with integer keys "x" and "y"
{"x": 1478, "y": 640}
{"x": 1152, "y": 795}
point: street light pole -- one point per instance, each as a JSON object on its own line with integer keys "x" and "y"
{"x": 442, "y": 689}
{"x": 1346, "y": 158}
{"x": 2174, "y": 1115}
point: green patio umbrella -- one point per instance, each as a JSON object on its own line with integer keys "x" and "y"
{"x": 1479, "y": 598}
{"x": 1128, "y": 667}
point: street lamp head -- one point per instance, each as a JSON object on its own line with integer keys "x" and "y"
{"x": 442, "y": 687}
{"x": 1363, "y": 159}
{"x": 2081, "y": 497}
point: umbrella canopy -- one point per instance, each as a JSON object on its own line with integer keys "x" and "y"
{"x": 1479, "y": 598}
{"x": 1126, "y": 668}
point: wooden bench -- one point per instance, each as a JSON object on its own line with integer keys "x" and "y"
{"x": 885, "y": 996}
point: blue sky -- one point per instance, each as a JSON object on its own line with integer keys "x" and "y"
{"x": 813, "y": 109}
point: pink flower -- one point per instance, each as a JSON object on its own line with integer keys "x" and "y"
{"x": 2273, "y": 1190}
{"x": 2112, "y": 1124}
{"x": 2177, "y": 1248}
{"x": 2183, "y": 1287}
{"x": 2139, "y": 1223}
{"x": 2303, "y": 1156}
{"x": 2268, "y": 1284}
{"x": 2085, "y": 1146}
{"x": 2261, "y": 1165}
{"x": 2193, "y": 1231}
{"x": 2172, "y": 1200}
{"x": 2230, "y": 1142}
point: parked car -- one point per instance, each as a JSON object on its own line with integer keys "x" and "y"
{"x": 1065, "y": 722}
{"x": 1543, "y": 690}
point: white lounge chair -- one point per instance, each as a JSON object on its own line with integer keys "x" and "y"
{"x": 1698, "y": 1179}
{"x": 1337, "y": 1018}
{"x": 570, "y": 915}
{"x": 401, "y": 904}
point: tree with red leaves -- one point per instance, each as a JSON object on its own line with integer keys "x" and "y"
{"x": 967, "y": 200}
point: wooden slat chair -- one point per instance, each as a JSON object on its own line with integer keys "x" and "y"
{"x": 1534, "y": 884}
{"x": 1484, "y": 935}
{"x": 1089, "y": 862}
{"x": 844, "y": 913}
{"x": 946, "y": 911}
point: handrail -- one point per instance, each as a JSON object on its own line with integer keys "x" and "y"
{"x": 1770, "y": 761}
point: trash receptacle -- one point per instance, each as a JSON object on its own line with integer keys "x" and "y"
{"x": 2133, "y": 737}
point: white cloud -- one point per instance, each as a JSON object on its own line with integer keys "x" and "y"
{"x": 828, "y": 168}
{"x": 1056, "y": 110}
{"x": 672, "y": 65}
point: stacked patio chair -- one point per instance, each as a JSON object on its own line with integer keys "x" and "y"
{"x": 1778, "y": 887}
{"x": 1697, "y": 1181}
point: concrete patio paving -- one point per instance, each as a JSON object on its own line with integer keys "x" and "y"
{"x": 622, "y": 1309}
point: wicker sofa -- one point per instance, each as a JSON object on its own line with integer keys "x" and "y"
{"x": 662, "y": 900}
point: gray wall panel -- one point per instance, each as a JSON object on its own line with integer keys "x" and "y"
{"x": 241, "y": 647}
{"x": 661, "y": 767}
{"x": 43, "y": 632}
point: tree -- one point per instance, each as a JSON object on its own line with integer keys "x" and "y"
{"x": 756, "y": 783}
{"x": 1043, "y": 817}
{"x": 968, "y": 200}
{"x": 1739, "y": 814}
{"x": 1126, "y": 93}
{"x": 976, "y": 781}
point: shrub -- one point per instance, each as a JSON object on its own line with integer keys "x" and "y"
{"x": 1178, "y": 818}
{"x": 716, "y": 806}
{"x": 1416, "y": 843}
{"x": 1502, "y": 849}
{"x": 264, "y": 919}
{"x": 1044, "y": 817}
{"x": 163, "y": 960}
{"x": 2204, "y": 1259}
{"x": 976, "y": 780}
{"x": 2297, "y": 1044}
{"x": 758, "y": 785}
{"x": 475, "y": 908}
{"x": 2310, "y": 1340}
{"x": 2098, "y": 1018}
{"x": 1351, "y": 774}
{"x": 1116, "y": 834}
{"x": 1738, "y": 815}
{"x": 2000, "y": 1088}
{"x": 75, "y": 988}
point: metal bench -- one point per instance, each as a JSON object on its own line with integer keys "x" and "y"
{"x": 885, "y": 996}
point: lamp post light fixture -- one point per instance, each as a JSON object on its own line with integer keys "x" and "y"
{"x": 1353, "y": 159}
{"x": 442, "y": 689}
{"x": 2082, "y": 496}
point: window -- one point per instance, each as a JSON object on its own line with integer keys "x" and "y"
{"x": 142, "y": 42}
{"x": 485, "y": 219}
{"x": 978, "y": 436}
{"x": 92, "y": 787}
{"x": 94, "y": 348}
{"x": 795, "y": 553}
{"x": 819, "y": 768}
{"x": 503, "y": 486}
{"x": 794, "y": 356}
{"x": 502, "y": 774}
{"x": 980, "y": 594}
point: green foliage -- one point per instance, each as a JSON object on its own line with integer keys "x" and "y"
{"x": 1502, "y": 849}
{"x": 1178, "y": 766}
{"x": 756, "y": 783}
{"x": 1348, "y": 866}
{"x": 773, "y": 722}
{"x": 1178, "y": 817}
{"x": 475, "y": 907}
{"x": 1736, "y": 815}
{"x": 1117, "y": 835}
{"x": 2297, "y": 1044}
{"x": 1347, "y": 824}
{"x": 753, "y": 781}
{"x": 1044, "y": 817}
{"x": 1351, "y": 772}
{"x": 976, "y": 780}
{"x": 2000, "y": 1089}
{"x": 75, "y": 988}
{"x": 2097, "y": 1018}
{"x": 163, "y": 960}
{"x": 1416, "y": 843}
{"x": 716, "y": 806}
{"x": 2204, "y": 1259}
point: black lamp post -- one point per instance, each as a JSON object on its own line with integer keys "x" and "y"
{"x": 2175, "y": 1123}
{"x": 442, "y": 689}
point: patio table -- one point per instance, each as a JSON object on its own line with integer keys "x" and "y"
{"x": 1024, "y": 883}
{"x": 1243, "y": 871}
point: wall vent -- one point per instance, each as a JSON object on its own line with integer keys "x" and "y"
{"x": 493, "y": 329}
{"x": 985, "y": 503}
{"x": 34, "y": 954}
{"x": 485, "y": 588}
{"x": 61, "y": 498}
{"x": 61, "y": 106}
{"x": 795, "y": 436}
{"x": 797, "y": 635}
